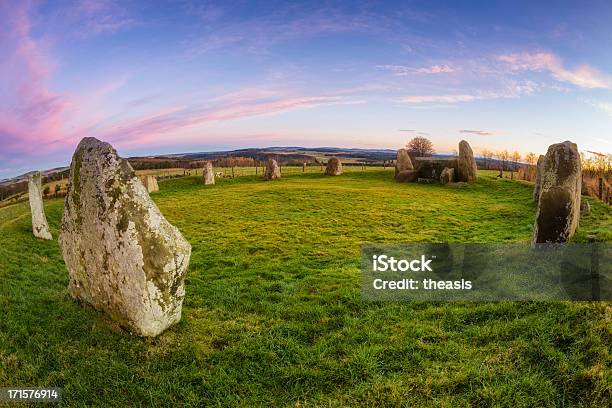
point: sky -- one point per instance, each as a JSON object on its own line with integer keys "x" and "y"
{"x": 154, "y": 77}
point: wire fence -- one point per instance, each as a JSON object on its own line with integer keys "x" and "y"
{"x": 233, "y": 172}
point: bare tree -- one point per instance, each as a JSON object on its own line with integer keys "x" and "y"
{"x": 487, "y": 155}
{"x": 503, "y": 156}
{"x": 531, "y": 158}
{"x": 516, "y": 158}
{"x": 420, "y": 147}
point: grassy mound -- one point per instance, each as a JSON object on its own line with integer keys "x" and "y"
{"x": 273, "y": 313}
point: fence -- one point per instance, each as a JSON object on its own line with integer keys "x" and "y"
{"x": 232, "y": 172}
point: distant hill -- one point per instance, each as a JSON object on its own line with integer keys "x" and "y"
{"x": 294, "y": 152}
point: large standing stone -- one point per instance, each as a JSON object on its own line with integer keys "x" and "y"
{"x": 334, "y": 167}
{"x": 538, "y": 181}
{"x": 407, "y": 176}
{"x": 209, "y": 175}
{"x": 447, "y": 176}
{"x": 559, "y": 202}
{"x": 150, "y": 182}
{"x": 272, "y": 170}
{"x": 40, "y": 228}
{"x": 467, "y": 164}
{"x": 122, "y": 256}
{"x": 403, "y": 162}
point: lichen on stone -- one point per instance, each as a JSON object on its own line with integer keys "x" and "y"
{"x": 121, "y": 253}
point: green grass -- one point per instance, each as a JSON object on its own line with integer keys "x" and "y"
{"x": 273, "y": 314}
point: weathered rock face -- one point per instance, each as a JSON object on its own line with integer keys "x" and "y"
{"x": 150, "y": 183}
{"x": 447, "y": 176}
{"x": 467, "y": 169}
{"x": 209, "y": 175}
{"x": 272, "y": 170}
{"x": 334, "y": 167}
{"x": 538, "y": 181}
{"x": 559, "y": 200}
{"x": 122, "y": 256}
{"x": 403, "y": 162}
{"x": 407, "y": 176}
{"x": 40, "y": 228}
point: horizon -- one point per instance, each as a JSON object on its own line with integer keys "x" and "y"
{"x": 180, "y": 76}
{"x": 166, "y": 154}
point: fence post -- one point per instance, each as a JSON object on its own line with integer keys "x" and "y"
{"x": 232, "y": 171}
{"x": 601, "y": 188}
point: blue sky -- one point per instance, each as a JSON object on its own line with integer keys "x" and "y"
{"x": 153, "y": 77}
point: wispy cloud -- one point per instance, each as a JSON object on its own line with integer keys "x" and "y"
{"x": 603, "y": 106}
{"x": 402, "y": 70}
{"x": 29, "y": 111}
{"x": 99, "y": 16}
{"x": 258, "y": 35}
{"x": 477, "y": 132}
{"x": 513, "y": 90}
{"x": 167, "y": 122}
{"x": 583, "y": 76}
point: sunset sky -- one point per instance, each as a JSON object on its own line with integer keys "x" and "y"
{"x": 177, "y": 76}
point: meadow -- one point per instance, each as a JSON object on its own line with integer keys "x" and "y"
{"x": 273, "y": 314}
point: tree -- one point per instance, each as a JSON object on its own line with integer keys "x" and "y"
{"x": 487, "y": 155}
{"x": 46, "y": 190}
{"x": 420, "y": 147}
{"x": 516, "y": 158}
{"x": 531, "y": 158}
{"x": 58, "y": 188}
{"x": 503, "y": 156}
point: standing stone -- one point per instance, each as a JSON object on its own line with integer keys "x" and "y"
{"x": 447, "y": 176}
{"x": 123, "y": 257}
{"x": 538, "y": 181}
{"x": 559, "y": 203}
{"x": 403, "y": 162}
{"x": 466, "y": 164}
{"x": 40, "y": 228}
{"x": 272, "y": 171}
{"x": 334, "y": 167}
{"x": 407, "y": 176}
{"x": 209, "y": 175}
{"x": 585, "y": 207}
{"x": 150, "y": 182}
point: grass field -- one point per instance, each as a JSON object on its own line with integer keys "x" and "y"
{"x": 273, "y": 314}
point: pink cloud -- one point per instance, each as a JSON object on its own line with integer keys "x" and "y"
{"x": 150, "y": 127}
{"x": 583, "y": 76}
{"x": 30, "y": 112}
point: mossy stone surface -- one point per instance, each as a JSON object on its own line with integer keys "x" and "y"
{"x": 122, "y": 255}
